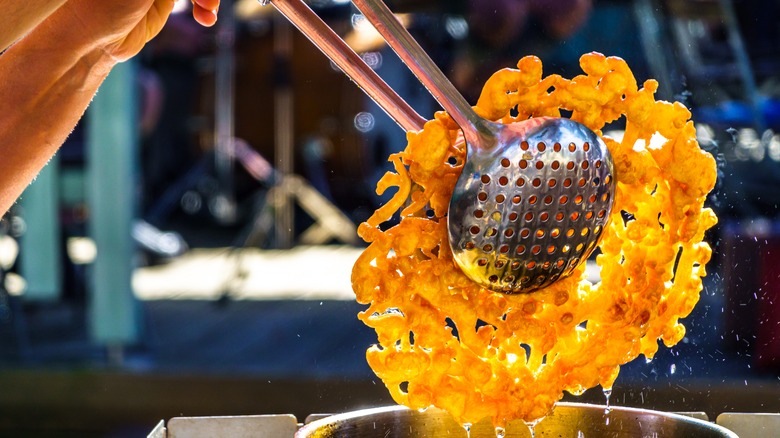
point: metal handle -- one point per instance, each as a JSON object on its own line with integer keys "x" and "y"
{"x": 377, "y": 13}
{"x": 325, "y": 39}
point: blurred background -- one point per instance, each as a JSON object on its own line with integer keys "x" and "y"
{"x": 188, "y": 251}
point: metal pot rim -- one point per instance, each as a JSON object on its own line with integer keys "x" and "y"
{"x": 307, "y": 429}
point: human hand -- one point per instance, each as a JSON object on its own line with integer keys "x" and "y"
{"x": 122, "y": 28}
{"x": 205, "y": 11}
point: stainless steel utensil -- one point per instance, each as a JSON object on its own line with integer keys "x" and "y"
{"x": 568, "y": 420}
{"x": 534, "y": 196}
{"x": 325, "y": 39}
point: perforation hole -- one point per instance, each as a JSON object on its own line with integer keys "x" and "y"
{"x": 540, "y": 233}
{"x": 528, "y": 217}
{"x": 530, "y": 265}
{"x": 575, "y": 215}
{"x": 555, "y": 232}
{"x": 559, "y": 264}
{"x": 536, "y": 182}
{"x": 563, "y": 199}
{"x": 503, "y": 181}
{"x": 523, "y": 164}
{"x": 559, "y": 216}
{"x": 500, "y": 263}
{"x": 509, "y": 232}
{"x": 524, "y": 145}
{"x": 515, "y": 265}
{"x": 597, "y": 230}
{"x": 598, "y": 164}
{"x": 557, "y": 147}
{"x": 468, "y": 245}
{"x": 479, "y": 214}
{"x": 544, "y": 216}
{"x": 509, "y": 279}
{"x": 605, "y": 197}
{"x": 555, "y": 165}
{"x": 491, "y": 232}
{"x": 607, "y": 179}
{"x": 596, "y": 181}
{"x": 589, "y": 215}
{"x": 541, "y": 147}
{"x": 493, "y": 278}
{"x": 551, "y": 249}
{"x": 552, "y": 183}
{"x": 566, "y": 248}
{"x": 586, "y": 146}
{"x": 592, "y": 199}
{"x": 585, "y": 231}
{"x": 585, "y": 164}
{"x": 500, "y": 198}
{"x": 579, "y": 247}
{"x": 572, "y": 147}
{"x": 574, "y": 262}
{"x": 602, "y": 213}
{"x": 505, "y": 162}
{"x": 582, "y": 182}
{"x": 539, "y": 165}
{"x": 525, "y": 232}
{"x": 578, "y": 199}
{"x": 513, "y": 216}
{"x": 474, "y": 229}
{"x": 570, "y": 165}
{"x": 487, "y": 248}
{"x": 482, "y": 196}
{"x": 567, "y": 182}
{"x": 520, "y": 250}
{"x": 570, "y": 232}
{"x": 533, "y": 199}
{"x": 520, "y": 182}
{"x": 545, "y": 266}
{"x": 516, "y": 199}
{"x": 485, "y": 179}
{"x": 482, "y": 262}
{"x": 548, "y": 200}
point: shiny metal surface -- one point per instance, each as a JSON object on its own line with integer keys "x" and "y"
{"x": 325, "y": 39}
{"x": 529, "y": 212}
{"x": 568, "y": 420}
{"x": 514, "y": 223}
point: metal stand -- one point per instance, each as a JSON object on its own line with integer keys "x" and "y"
{"x": 223, "y": 206}
{"x": 330, "y": 222}
{"x": 284, "y": 121}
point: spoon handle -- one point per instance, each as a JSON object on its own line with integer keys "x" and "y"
{"x": 325, "y": 39}
{"x": 410, "y": 52}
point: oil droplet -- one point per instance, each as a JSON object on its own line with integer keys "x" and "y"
{"x": 500, "y": 432}
{"x": 532, "y": 426}
{"x": 467, "y": 426}
{"x": 607, "y": 393}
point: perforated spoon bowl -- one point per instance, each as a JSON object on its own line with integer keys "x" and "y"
{"x": 534, "y": 196}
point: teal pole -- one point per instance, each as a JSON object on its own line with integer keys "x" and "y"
{"x": 40, "y": 253}
{"x": 112, "y": 148}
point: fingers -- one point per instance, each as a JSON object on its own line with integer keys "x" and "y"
{"x": 210, "y": 5}
{"x": 205, "y": 11}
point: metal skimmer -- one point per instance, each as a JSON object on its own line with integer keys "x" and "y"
{"x": 534, "y": 196}
{"x": 527, "y": 213}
